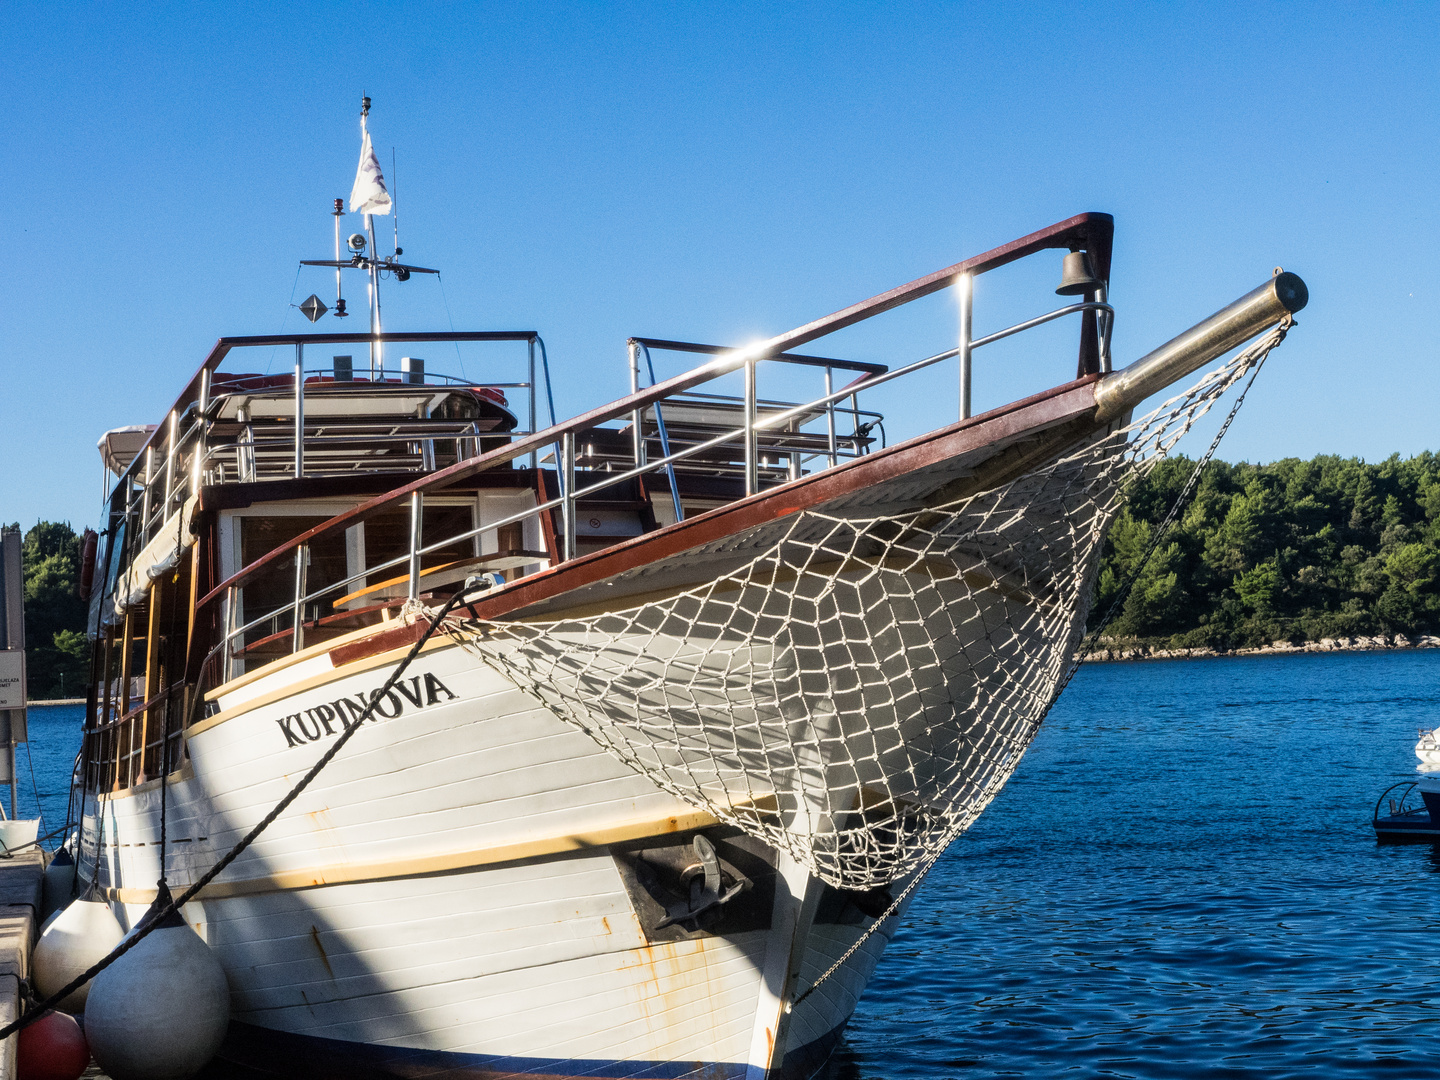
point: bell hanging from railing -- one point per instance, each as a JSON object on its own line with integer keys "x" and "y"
{"x": 1077, "y": 278}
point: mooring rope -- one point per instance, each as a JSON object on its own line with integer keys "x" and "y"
{"x": 155, "y": 916}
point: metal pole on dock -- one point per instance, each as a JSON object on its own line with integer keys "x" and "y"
{"x": 12, "y": 659}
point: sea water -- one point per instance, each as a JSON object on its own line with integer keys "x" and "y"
{"x": 1179, "y": 881}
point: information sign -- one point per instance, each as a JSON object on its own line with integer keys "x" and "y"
{"x": 12, "y": 679}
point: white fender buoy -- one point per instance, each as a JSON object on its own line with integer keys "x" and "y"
{"x": 49, "y": 922}
{"x": 159, "y": 1012}
{"x": 59, "y": 883}
{"x": 82, "y": 934}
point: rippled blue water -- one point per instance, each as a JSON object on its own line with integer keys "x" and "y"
{"x": 1180, "y": 880}
{"x": 47, "y": 758}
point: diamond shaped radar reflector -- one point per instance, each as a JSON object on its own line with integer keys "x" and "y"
{"x": 312, "y": 308}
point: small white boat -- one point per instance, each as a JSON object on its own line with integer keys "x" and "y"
{"x": 1427, "y": 749}
{"x": 728, "y": 674}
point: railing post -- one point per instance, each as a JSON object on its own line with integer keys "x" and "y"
{"x": 245, "y": 459}
{"x": 145, "y": 495}
{"x": 752, "y": 470}
{"x": 1105, "y": 326}
{"x": 427, "y": 446}
{"x": 568, "y": 504}
{"x": 965, "y": 288}
{"x": 417, "y": 521}
{"x": 830, "y": 419}
{"x": 299, "y": 410}
{"x": 302, "y": 566}
{"x": 227, "y": 651}
{"x": 534, "y": 454}
{"x": 664, "y": 435}
{"x": 201, "y": 430}
{"x": 637, "y": 436}
{"x": 174, "y": 431}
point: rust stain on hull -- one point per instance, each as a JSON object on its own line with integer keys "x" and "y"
{"x": 324, "y": 959}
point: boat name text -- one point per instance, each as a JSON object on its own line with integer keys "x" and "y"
{"x": 316, "y": 723}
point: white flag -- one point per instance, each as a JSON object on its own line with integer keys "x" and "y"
{"x": 369, "y": 196}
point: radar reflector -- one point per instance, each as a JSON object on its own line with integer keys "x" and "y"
{"x": 312, "y": 308}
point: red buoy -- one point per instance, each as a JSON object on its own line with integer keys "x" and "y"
{"x": 52, "y": 1048}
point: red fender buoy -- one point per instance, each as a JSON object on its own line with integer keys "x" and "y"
{"x": 52, "y": 1048}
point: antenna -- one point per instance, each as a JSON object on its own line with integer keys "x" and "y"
{"x": 395, "y": 203}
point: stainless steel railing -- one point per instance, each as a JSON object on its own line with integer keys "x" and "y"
{"x": 737, "y": 439}
{"x": 184, "y": 454}
{"x": 760, "y": 418}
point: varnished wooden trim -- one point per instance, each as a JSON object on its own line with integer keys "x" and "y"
{"x": 351, "y": 873}
{"x": 385, "y": 641}
{"x": 283, "y": 662}
{"x": 185, "y": 772}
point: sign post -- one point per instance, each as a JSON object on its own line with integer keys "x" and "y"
{"x": 12, "y": 656}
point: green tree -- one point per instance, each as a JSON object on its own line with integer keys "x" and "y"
{"x": 1297, "y": 549}
{"x": 56, "y": 650}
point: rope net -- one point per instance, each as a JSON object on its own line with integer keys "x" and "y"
{"x": 858, "y": 691}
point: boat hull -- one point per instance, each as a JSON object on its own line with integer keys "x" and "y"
{"x": 458, "y": 891}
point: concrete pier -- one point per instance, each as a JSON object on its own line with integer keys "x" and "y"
{"x": 20, "y": 878}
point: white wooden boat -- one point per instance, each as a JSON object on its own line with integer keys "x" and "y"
{"x": 706, "y": 711}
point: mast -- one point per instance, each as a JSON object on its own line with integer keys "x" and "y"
{"x": 368, "y": 196}
{"x": 377, "y": 347}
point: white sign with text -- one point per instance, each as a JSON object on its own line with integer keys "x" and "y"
{"x": 12, "y": 679}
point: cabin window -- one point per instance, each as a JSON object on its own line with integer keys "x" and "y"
{"x": 325, "y": 566}
{"x": 337, "y": 566}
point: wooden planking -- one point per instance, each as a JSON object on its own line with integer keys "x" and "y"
{"x": 421, "y": 764}
{"x": 411, "y": 968}
{"x": 457, "y": 927}
{"x": 552, "y": 792}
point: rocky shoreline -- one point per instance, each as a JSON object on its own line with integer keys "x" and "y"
{"x": 1378, "y": 643}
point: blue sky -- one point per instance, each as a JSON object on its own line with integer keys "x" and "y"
{"x": 714, "y": 172}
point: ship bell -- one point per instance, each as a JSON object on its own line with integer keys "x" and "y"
{"x": 1076, "y": 278}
